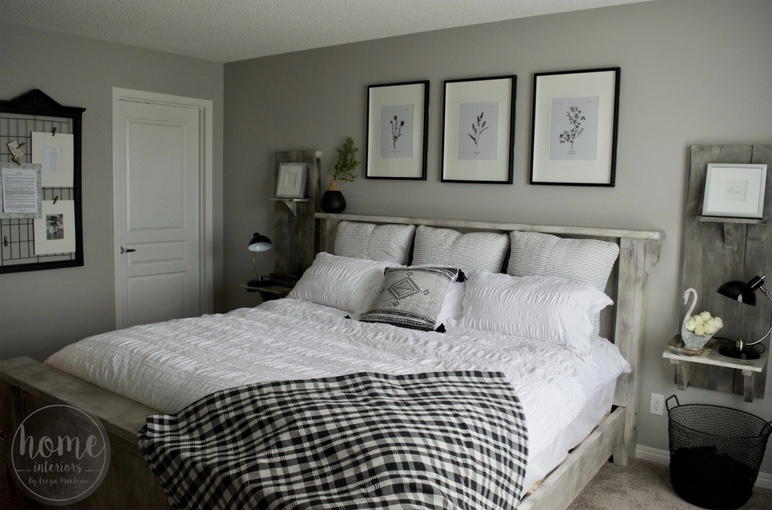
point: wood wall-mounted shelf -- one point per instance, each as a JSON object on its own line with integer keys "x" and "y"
{"x": 726, "y": 219}
{"x": 710, "y": 356}
{"x": 291, "y": 203}
{"x": 731, "y": 226}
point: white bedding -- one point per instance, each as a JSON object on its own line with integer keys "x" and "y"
{"x": 169, "y": 365}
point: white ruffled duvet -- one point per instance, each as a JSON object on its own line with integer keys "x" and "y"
{"x": 171, "y": 364}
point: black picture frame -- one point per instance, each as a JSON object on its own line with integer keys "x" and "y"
{"x": 397, "y": 130}
{"x": 580, "y": 149}
{"x": 468, "y": 156}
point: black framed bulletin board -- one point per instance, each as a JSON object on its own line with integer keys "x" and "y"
{"x": 40, "y": 184}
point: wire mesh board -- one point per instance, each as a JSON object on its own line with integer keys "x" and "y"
{"x": 24, "y": 244}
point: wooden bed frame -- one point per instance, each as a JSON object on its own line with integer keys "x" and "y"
{"x": 26, "y": 384}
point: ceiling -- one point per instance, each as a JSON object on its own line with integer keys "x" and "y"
{"x": 231, "y": 30}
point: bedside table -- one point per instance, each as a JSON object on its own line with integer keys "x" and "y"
{"x": 268, "y": 292}
{"x": 710, "y": 356}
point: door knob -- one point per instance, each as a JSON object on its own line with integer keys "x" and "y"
{"x": 125, "y": 250}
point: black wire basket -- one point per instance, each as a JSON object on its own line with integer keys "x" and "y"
{"x": 715, "y": 453}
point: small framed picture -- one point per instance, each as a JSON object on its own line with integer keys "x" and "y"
{"x": 55, "y": 230}
{"x": 397, "y": 130}
{"x": 291, "y": 180}
{"x": 478, "y": 130}
{"x": 734, "y": 190}
{"x": 575, "y": 116}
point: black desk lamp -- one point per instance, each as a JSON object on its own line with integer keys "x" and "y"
{"x": 259, "y": 243}
{"x": 744, "y": 293}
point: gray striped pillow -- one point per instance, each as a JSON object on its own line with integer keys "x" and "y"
{"x": 483, "y": 251}
{"x": 584, "y": 260}
{"x": 374, "y": 242}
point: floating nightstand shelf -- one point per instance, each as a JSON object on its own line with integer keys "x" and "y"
{"x": 291, "y": 203}
{"x": 729, "y": 224}
{"x": 709, "y": 356}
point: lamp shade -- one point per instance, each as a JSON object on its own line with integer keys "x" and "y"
{"x": 742, "y": 292}
{"x": 259, "y": 242}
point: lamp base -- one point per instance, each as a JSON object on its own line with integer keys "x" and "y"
{"x": 734, "y": 352}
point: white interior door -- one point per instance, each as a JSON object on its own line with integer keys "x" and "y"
{"x": 158, "y": 180}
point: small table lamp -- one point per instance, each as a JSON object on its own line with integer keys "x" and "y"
{"x": 258, "y": 243}
{"x": 744, "y": 293}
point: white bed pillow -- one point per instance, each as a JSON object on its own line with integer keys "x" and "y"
{"x": 483, "y": 251}
{"x": 549, "y": 308}
{"x": 412, "y": 297}
{"x": 584, "y": 260}
{"x": 376, "y": 242}
{"x": 341, "y": 282}
{"x": 453, "y": 305}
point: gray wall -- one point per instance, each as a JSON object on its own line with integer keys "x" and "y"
{"x": 692, "y": 73}
{"x": 41, "y": 311}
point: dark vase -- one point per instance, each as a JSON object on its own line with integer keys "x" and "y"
{"x": 333, "y": 200}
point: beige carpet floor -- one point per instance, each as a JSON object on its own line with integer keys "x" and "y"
{"x": 645, "y": 486}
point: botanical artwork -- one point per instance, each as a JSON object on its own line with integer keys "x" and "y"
{"x": 574, "y": 128}
{"x": 478, "y": 131}
{"x": 396, "y": 140}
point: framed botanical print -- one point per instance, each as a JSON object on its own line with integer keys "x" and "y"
{"x": 575, "y": 115}
{"x": 397, "y": 130}
{"x": 478, "y": 138}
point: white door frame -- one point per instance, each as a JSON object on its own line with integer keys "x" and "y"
{"x": 206, "y": 221}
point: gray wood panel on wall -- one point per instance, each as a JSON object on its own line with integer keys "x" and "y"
{"x": 294, "y": 223}
{"x": 716, "y": 252}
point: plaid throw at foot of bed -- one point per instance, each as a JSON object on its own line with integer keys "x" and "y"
{"x": 451, "y": 440}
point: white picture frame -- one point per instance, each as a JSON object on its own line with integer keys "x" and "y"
{"x": 291, "y": 180}
{"x": 735, "y": 190}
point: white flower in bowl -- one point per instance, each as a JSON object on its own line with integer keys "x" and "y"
{"x": 704, "y": 324}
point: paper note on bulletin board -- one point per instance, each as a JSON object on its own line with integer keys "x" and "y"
{"x": 54, "y": 153}
{"x": 20, "y": 192}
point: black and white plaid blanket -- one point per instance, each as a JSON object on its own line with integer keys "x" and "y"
{"x": 449, "y": 440}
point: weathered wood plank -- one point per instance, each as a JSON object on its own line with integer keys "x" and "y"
{"x": 595, "y": 232}
{"x": 295, "y": 232}
{"x": 716, "y": 252}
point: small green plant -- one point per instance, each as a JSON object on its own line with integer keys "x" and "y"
{"x": 347, "y": 162}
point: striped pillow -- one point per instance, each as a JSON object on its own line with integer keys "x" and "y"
{"x": 374, "y": 242}
{"x": 483, "y": 251}
{"x": 583, "y": 260}
{"x": 341, "y": 282}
